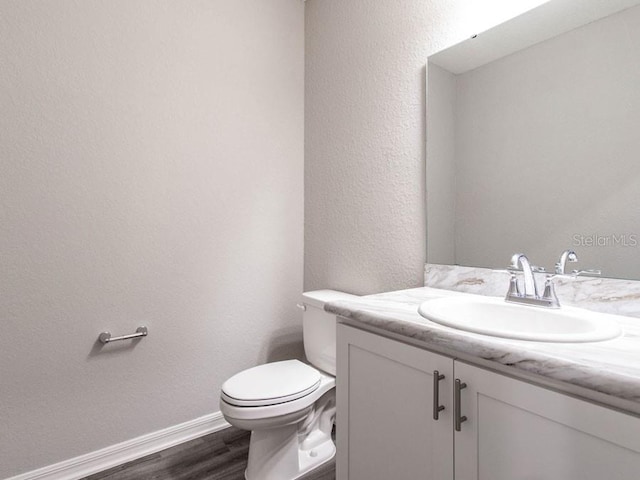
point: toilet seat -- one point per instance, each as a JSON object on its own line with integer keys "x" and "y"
{"x": 271, "y": 384}
{"x": 278, "y": 413}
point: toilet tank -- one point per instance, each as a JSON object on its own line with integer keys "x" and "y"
{"x": 319, "y": 328}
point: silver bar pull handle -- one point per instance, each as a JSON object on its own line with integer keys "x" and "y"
{"x": 459, "y": 418}
{"x": 437, "y": 408}
{"x": 105, "y": 337}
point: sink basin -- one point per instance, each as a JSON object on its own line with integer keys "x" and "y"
{"x": 495, "y": 317}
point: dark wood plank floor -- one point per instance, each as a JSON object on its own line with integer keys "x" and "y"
{"x": 219, "y": 456}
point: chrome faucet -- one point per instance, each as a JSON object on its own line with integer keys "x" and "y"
{"x": 570, "y": 256}
{"x": 567, "y": 256}
{"x": 529, "y": 295}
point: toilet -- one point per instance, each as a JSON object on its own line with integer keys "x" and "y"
{"x": 290, "y": 406}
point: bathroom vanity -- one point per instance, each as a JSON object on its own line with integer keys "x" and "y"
{"x": 531, "y": 146}
{"x": 421, "y": 400}
{"x": 520, "y": 118}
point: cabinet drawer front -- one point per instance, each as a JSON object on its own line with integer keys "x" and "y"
{"x": 519, "y": 431}
{"x": 385, "y": 423}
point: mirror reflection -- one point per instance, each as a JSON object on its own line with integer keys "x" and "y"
{"x": 538, "y": 151}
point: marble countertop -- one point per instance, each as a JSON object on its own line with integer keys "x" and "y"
{"x": 610, "y": 368}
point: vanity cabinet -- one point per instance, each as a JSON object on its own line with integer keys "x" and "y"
{"x": 514, "y": 430}
{"x": 385, "y": 397}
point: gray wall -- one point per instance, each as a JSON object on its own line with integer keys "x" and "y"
{"x": 151, "y": 172}
{"x": 365, "y": 133}
{"x": 441, "y": 165}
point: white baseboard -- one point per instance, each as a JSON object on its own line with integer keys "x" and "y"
{"x": 94, "y": 462}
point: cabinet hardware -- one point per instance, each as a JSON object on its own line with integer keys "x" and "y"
{"x": 437, "y": 408}
{"x": 459, "y": 418}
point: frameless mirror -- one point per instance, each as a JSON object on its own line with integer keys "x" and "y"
{"x": 533, "y": 140}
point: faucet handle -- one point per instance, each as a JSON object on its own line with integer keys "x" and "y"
{"x": 587, "y": 273}
{"x": 513, "y": 269}
{"x": 549, "y": 294}
{"x": 514, "y": 288}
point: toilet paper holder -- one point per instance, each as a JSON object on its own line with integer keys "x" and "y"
{"x": 105, "y": 337}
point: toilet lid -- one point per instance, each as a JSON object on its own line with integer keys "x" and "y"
{"x": 270, "y": 384}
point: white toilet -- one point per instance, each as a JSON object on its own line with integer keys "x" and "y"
{"x": 290, "y": 406}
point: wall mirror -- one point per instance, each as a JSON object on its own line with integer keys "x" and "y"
{"x": 533, "y": 140}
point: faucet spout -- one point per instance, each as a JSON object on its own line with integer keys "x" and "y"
{"x": 519, "y": 261}
{"x": 567, "y": 256}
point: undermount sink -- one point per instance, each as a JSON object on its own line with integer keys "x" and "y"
{"x": 495, "y": 317}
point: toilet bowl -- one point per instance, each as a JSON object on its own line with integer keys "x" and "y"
{"x": 289, "y": 406}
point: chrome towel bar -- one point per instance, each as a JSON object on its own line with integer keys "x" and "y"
{"x": 105, "y": 337}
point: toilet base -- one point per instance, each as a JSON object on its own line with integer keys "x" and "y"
{"x": 289, "y": 451}
{"x": 312, "y": 459}
{"x": 308, "y": 460}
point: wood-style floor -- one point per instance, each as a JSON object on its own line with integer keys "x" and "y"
{"x": 219, "y": 456}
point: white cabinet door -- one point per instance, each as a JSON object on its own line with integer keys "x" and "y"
{"x": 518, "y": 431}
{"x": 385, "y": 421}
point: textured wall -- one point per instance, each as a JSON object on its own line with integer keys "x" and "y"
{"x": 151, "y": 172}
{"x": 365, "y": 133}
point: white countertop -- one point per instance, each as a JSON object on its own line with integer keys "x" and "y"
{"x": 610, "y": 369}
